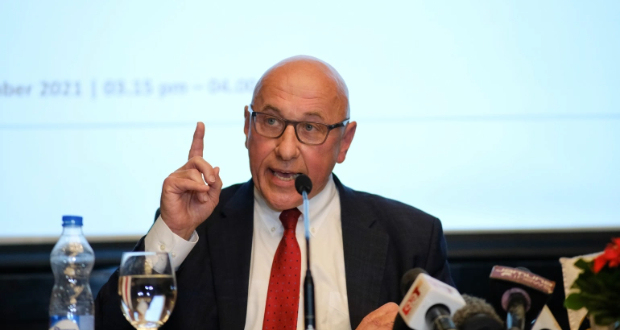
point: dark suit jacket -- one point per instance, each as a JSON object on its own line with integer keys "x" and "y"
{"x": 382, "y": 240}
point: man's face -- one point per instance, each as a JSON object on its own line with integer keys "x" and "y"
{"x": 298, "y": 92}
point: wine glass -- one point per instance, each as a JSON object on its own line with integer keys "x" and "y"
{"x": 147, "y": 287}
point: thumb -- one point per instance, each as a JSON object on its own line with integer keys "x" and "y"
{"x": 217, "y": 185}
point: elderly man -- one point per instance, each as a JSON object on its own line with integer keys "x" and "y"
{"x": 234, "y": 247}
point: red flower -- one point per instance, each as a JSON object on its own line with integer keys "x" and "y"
{"x": 611, "y": 256}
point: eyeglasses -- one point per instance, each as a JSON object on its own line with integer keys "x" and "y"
{"x": 307, "y": 132}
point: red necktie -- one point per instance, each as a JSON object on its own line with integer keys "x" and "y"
{"x": 283, "y": 295}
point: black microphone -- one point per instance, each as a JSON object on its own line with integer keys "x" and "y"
{"x": 521, "y": 294}
{"x": 428, "y": 303}
{"x": 303, "y": 184}
{"x": 477, "y": 315}
{"x": 407, "y": 280}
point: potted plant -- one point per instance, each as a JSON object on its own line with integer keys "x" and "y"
{"x": 598, "y": 288}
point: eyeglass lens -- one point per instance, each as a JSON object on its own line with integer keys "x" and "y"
{"x": 307, "y": 132}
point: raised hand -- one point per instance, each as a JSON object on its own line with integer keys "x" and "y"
{"x": 380, "y": 319}
{"x": 186, "y": 200}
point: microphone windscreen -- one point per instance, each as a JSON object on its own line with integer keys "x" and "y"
{"x": 408, "y": 279}
{"x": 475, "y": 308}
{"x": 303, "y": 183}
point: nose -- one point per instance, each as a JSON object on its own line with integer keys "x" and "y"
{"x": 288, "y": 145}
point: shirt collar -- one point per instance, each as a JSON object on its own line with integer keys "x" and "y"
{"x": 318, "y": 209}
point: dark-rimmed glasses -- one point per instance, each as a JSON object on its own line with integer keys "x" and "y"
{"x": 307, "y": 132}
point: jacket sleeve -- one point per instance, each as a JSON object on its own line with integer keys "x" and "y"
{"x": 437, "y": 260}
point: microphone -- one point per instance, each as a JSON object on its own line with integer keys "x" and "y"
{"x": 303, "y": 184}
{"x": 521, "y": 294}
{"x": 477, "y": 315}
{"x": 428, "y": 303}
{"x": 405, "y": 283}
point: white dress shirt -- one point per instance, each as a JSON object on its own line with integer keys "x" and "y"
{"x": 328, "y": 273}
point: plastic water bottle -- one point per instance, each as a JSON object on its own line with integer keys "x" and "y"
{"x": 72, "y": 259}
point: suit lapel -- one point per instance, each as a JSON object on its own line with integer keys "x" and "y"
{"x": 231, "y": 251}
{"x": 365, "y": 251}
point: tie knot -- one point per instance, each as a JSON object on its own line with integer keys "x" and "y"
{"x": 289, "y": 218}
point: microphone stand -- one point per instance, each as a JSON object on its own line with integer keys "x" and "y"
{"x": 303, "y": 185}
{"x": 309, "y": 316}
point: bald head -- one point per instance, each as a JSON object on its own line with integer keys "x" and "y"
{"x": 314, "y": 72}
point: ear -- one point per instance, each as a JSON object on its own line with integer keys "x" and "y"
{"x": 246, "y": 126}
{"x": 347, "y": 138}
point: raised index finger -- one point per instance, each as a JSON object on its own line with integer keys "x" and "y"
{"x": 197, "y": 141}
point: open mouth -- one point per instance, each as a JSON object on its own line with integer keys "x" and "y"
{"x": 284, "y": 176}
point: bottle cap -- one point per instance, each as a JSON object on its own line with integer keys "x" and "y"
{"x": 71, "y": 220}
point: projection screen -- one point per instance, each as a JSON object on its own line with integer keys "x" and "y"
{"x": 490, "y": 115}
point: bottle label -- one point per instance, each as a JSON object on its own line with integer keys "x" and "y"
{"x": 83, "y": 322}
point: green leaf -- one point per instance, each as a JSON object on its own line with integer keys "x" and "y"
{"x": 574, "y": 301}
{"x": 586, "y": 296}
{"x": 603, "y": 319}
{"x": 587, "y": 285}
{"x": 582, "y": 264}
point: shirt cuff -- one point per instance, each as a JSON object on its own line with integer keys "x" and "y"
{"x": 161, "y": 239}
